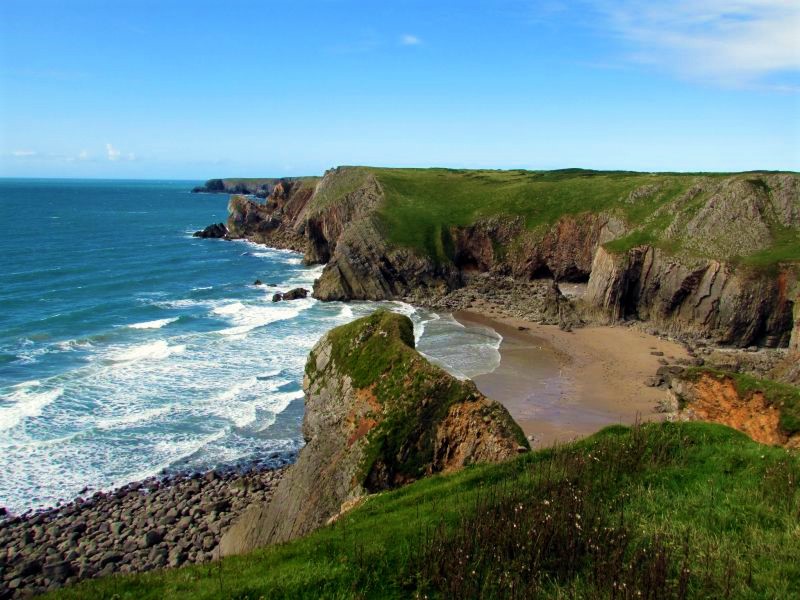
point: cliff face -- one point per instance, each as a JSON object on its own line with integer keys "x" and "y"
{"x": 704, "y": 297}
{"x": 717, "y": 398}
{"x": 271, "y": 223}
{"x": 377, "y": 415}
{"x": 698, "y": 255}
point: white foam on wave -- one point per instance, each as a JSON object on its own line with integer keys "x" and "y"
{"x": 401, "y": 307}
{"x": 182, "y": 303}
{"x": 241, "y": 402}
{"x": 171, "y": 452}
{"x": 246, "y": 318}
{"x": 24, "y": 403}
{"x": 27, "y": 384}
{"x": 420, "y": 324}
{"x": 278, "y": 403}
{"x": 153, "y": 351}
{"x": 69, "y": 345}
{"x": 463, "y": 351}
{"x": 132, "y": 418}
{"x": 304, "y": 277}
{"x": 229, "y": 309}
{"x": 157, "y": 324}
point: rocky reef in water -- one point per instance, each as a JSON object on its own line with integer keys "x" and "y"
{"x": 704, "y": 256}
{"x": 377, "y": 415}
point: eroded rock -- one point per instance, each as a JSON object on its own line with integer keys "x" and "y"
{"x": 217, "y": 230}
{"x": 378, "y": 415}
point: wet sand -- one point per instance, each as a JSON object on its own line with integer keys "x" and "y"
{"x": 560, "y": 385}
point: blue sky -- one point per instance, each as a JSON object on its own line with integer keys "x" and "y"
{"x": 199, "y": 89}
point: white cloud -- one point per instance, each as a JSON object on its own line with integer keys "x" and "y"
{"x": 113, "y": 153}
{"x": 408, "y": 39}
{"x": 727, "y": 41}
{"x": 24, "y": 153}
{"x": 83, "y": 155}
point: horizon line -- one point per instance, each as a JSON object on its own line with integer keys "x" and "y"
{"x": 562, "y": 169}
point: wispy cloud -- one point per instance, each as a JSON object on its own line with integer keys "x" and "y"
{"x": 112, "y": 153}
{"x": 408, "y": 39}
{"x": 732, "y": 42}
{"x": 82, "y": 156}
{"x": 23, "y": 153}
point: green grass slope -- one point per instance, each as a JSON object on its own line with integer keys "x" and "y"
{"x": 686, "y": 510}
{"x": 423, "y": 204}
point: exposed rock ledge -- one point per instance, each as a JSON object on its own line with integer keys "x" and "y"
{"x": 378, "y": 415}
{"x": 697, "y": 291}
{"x": 709, "y": 396}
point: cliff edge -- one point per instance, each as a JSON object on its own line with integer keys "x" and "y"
{"x": 712, "y": 256}
{"x": 377, "y": 415}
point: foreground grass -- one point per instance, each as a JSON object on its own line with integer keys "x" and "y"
{"x": 665, "y": 511}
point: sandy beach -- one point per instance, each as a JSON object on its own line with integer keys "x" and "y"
{"x": 564, "y": 385}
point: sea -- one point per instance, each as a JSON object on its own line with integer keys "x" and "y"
{"x": 129, "y": 348}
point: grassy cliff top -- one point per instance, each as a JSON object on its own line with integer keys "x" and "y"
{"x": 669, "y": 510}
{"x": 421, "y": 205}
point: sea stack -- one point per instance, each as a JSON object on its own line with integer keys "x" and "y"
{"x": 377, "y": 415}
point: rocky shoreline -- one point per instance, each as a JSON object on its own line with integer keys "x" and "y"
{"x": 544, "y": 302}
{"x": 160, "y": 522}
{"x": 179, "y": 519}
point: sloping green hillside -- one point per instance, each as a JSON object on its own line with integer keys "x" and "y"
{"x": 423, "y": 204}
{"x": 671, "y": 510}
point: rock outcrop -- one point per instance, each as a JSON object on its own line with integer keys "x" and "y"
{"x": 686, "y": 253}
{"x": 378, "y": 415}
{"x": 217, "y": 230}
{"x": 716, "y": 397}
{"x": 293, "y": 294}
{"x": 789, "y": 370}
{"x": 260, "y": 187}
{"x": 704, "y": 297}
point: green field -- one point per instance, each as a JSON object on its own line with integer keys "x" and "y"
{"x": 422, "y": 205}
{"x": 669, "y": 510}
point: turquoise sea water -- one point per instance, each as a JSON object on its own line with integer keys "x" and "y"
{"x": 128, "y": 347}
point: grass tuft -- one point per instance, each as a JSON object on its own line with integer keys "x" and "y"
{"x": 672, "y": 510}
